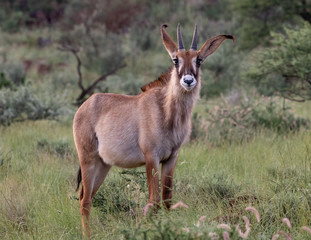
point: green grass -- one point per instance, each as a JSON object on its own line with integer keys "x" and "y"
{"x": 37, "y": 176}
{"x": 38, "y": 166}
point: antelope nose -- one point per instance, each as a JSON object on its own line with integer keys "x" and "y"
{"x": 188, "y": 81}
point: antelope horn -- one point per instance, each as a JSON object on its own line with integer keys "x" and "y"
{"x": 179, "y": 39}
{"x": 194, "y": 39}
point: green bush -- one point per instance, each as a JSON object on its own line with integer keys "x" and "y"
{"x": 284, "y": 68}
{"x": 128, "y": 195}
{"x": 22, "y": 104}
{"x": 13, "y": 22}
{"x": 238, "y": 122}
{"x": 61, "y": 147}
{"x": 12, "y": 74}
{"x": 220, "y": 72}
{"x": 256, "y": 19}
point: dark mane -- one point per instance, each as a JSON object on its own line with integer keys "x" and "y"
{"x": 160, "y": 82}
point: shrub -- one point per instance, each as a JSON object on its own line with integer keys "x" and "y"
{"x": 221, "y": 72}
{"x": 22, "y": 104}
{"x": 13, "y": 22}
{"x": 12, "y": 74}
{"x": 160, "y": 229}
{"x": 17, "y": 14}
{"x": 256, "y": 19}
{"x": 239, "y": 122}
{"x": 59, "y": 147}
{"x": 128, "y": 195}
{"x": 284, "y": 68}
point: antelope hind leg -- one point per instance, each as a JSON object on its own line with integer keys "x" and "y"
{"x": 93, "y": 176}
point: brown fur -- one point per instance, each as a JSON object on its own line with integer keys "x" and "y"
{"x": 130, "y": 131}
{"x": 160, "y": 82}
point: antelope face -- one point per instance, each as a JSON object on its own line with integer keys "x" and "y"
{"x": 187, "y": 69}
{"x": 187, "y": 63}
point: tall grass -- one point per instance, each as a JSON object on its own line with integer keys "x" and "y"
{"x": 39, "y": 163}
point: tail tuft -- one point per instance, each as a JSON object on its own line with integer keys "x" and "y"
{"x": 79, "y": 179}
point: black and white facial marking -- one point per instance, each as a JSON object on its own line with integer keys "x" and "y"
{"x": 187, "y": 67}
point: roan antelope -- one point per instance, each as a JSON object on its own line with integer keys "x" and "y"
{"x": 149, "y": 128}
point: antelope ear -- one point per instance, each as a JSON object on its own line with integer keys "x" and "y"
{"x": 211, "y": 45}
{"x": 169, "y": 44}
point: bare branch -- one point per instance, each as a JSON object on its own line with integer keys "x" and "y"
{"x": 74, "y": 51}
{"x": 90, "y": 89}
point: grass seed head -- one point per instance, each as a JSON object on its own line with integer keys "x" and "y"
{"x": 247, "y": 227}
{"x": 307, "y": 229}
{"x": 224, "y": 226}
{"x": 225, "y": 235}
{"x": 180, "y": 204}
{"x": 254, "y": 210}
{"x": 287, "y": 222}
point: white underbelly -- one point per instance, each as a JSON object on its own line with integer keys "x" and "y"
{"x": 124, "y": 155}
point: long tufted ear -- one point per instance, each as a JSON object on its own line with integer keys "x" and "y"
{"x": 211, "y": 45}
{"x": 169, "y": 44}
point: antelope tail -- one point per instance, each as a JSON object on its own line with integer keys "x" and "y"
{"x": 79, "y": 179}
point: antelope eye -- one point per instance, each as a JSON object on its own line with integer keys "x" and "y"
{"x": 175, "y": 60}
{"x": 199, "y": 61}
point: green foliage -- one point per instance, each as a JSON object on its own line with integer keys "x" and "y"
{"x": 256, "y": 19}
{"x": 222, "y": 72}
{"x": 38, "y": 189}
{"x": 285, "y": 68}
{"x": 12, "y": 74}
{"x": 61, "y": 147}
{"x": 160, "y": 229}
{"x": 3, "y": 81}
{"x": 13, "y": 21}
{"x": 127, "y": 194}
{"x": 22, "y": 104}
{"x": 239, "y": 122}
{"x": 270, "y": 168}
{"x": 290, "y": 195}
{"x": 84, "y": 40}
{"x": 16, "y": 14}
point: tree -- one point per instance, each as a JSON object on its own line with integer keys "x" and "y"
{"x": 257, "y": 18}
{"x": 95, "y": 46}
{"x": 285, "y": 68}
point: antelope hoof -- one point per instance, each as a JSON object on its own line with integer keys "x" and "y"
{"x": 147, "y": 208}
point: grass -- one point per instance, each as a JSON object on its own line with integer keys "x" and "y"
{"x": 39, "y": 163}
{"x": 38, "y": 166}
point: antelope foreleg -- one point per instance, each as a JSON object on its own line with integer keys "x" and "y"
{"x": 167, "y": 180}
{"x": 152, "y": 171}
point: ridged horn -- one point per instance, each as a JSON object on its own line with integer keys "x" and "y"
{"x": 194, "y": 39}
{"x": 179, "y": 38}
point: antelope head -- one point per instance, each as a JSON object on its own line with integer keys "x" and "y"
{"x": 187, "y": 63}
